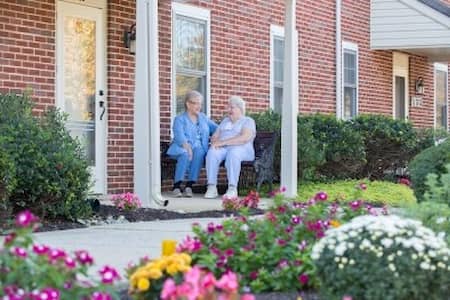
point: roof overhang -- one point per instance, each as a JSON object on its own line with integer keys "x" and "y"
{"x": 420, "y": 27}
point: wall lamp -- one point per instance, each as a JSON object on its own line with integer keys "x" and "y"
{"x": 419, "y": 86}
{"x": 129, "y": 39}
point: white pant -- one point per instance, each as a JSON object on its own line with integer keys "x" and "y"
{"x": 233, "y": 156}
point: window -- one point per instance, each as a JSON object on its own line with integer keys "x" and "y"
{"x": 190, "y": 54}
{"x": 276, "y": 67}
{"x": 350, "y": 78}
{"x": 441, "y": 98}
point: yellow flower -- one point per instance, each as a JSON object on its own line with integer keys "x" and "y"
{"x": 335, "y": 223}
{"x": 172, "y": 269}
{"x": 184, "y": 268}
{"x": 143, "y": 284}
{"x": 299, "y": 298}
{"x": 186, "y": 258}
{"x": 154, "y": 273}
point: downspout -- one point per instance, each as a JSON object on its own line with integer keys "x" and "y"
{"x": 338, "y": 61}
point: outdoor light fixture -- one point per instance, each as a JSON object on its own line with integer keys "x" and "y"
{"x": 419, "y": 86}
{"x": 129, "y": 39}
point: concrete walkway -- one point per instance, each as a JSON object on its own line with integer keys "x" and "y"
{"x": 118, "y": 244}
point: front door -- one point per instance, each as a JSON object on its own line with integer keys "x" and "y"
{"x": 80, "y": 85}
{"x": 400, "y": 69}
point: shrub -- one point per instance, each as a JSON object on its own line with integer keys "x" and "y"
{"x": 51, "y": 170}
{"x": 427, "y": 137}
{"x": 389, "y": 144}
{"x": 435, "y": 216}
{"x": 7, "y": 183}
{"x": 34, "y": 271}
{"x": 378, "y": 192}
{"x": 234, "y": 203}
{"x": 383, "y": 257}
{"x": 271, "y": 253}
{"x": 343, "y": 147}
{"x": 431, "y": 160}
{"x": 438, "y": 188}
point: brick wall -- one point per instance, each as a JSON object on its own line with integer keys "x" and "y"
{"x": 27, "y": 49}
{"x": 121, "y": 15}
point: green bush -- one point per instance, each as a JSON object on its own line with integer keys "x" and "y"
{"x": 7, "y": 183}
{"x": 378, "y": 192}
{"x": 431, "y": 160}
{"x": 438, "y": 188}
{"x": 435, "y": 216}
{"x": 51, "y": 170}
{"x": 427, "y": 137}
{"x": 389, "y": 144}
{"x": 382, "y": 257}
{"x": 343, "y": 147}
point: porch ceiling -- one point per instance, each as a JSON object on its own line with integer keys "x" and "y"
{"x": 420, "y": 27}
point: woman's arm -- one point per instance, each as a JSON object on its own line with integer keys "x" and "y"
{"x": 179, "y": 136}
{"x": 247, "y": 133}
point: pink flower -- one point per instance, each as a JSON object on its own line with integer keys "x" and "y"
{"x": 211, "y": 227}
{"x": 303, "y": 279}
{"x": 253, "y": 275}
{"x": 108, "y": 274}
{"x": 228, "y": 282}
{"x": 355, "y": 205}
{"x": 189, "y": 245}
{"x": 208, "y": 282}
{"x": 10, "y": 238}
{"x": 69, "y": 262}
{"x": 321, "y": 196}
{"x": 169, "y": 289}
{"x": 404, "y": 181}
{"x": 295, "y": 220}
{"x": 347, "y": 297}
{"x": 41, "y": 249}
{"x": 56, "y": 254}
{"x": 229, "y": 252}
{"x": 49, "y": 294}
{"x": 247, "y": 297}
{"x": 100, "y": 296}
{"x": 25, "y": 219}
{"x": 83, "y": 257}
{"x": 362, "y": 186}
{"x": 19, "y": 252}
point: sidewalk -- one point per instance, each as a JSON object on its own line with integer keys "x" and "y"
{"x": 118, "y": 244}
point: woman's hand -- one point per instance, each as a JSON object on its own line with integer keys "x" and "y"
{"x": 188, "y": 148}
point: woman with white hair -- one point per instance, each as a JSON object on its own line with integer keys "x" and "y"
{"x": 232, "y": 142}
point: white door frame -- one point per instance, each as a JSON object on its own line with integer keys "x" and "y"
{"x": 94, "y": 10}
{"x": 444, "y": 68}
{"x": 400, "y": 67}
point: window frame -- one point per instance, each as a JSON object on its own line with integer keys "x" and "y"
{"x": 275, "y": 32}
{"x": 198, "y": 13}
{"x": 349, "y": 46}
{"x": 443, "y": 67}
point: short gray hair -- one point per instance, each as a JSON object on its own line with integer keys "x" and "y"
{"x": 192, "y": 94}
{"x": 239, "y": 102}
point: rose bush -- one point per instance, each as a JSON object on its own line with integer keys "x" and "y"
{"x": 126, "y": 201}
{"x": 33, "y": 271}
{"x": 272, "y": 252}
{"x": 385, "y": 257}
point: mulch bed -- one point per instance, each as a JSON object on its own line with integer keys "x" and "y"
{"x": 105, "y": 212}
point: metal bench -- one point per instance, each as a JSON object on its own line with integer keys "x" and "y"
{"x": 257, "y": 171}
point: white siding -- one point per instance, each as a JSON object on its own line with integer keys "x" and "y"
{"x": 407, "y": 24}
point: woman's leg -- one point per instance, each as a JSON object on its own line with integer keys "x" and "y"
{"x": 181, "y": 167}
{"x": 213, "y": 160}
{"x": 198, "y": 157}
{"x": 234, "y": 157}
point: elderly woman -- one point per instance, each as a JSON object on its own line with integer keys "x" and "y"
{"x": 191, "y": 132}
{"x": 232, "y": 142}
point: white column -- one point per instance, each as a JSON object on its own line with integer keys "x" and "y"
{"x": 147, "y": 165}
{"x": 290, "y": 103}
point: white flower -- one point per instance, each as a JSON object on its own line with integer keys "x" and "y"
{"x": 340, "y": 249}
{"x": 424, "y": 265}
{"x": 341, "y": 266}
{"x": 440, "y": 220}
{"x": 391, "y": 257}
{"x": 392, "y": 267}
{"x": 387, "y": 242}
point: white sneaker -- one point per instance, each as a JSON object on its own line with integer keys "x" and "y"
{"x": 211, "y": 192}
{"x": 231, "y": 192}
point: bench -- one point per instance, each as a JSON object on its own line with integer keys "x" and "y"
{"x": 256, "y": 171}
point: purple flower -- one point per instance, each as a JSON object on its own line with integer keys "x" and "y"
{"x": 56, "y": 254}
{"x": 40, "y": 249}
{"x": 281, "y": 242}
{"x": 69, "y": 262}
{"x": 25, "y": 219}
{"x": 283, "y": 263}
{"x": 229, "y": 252}
{"x": 303, "y": 279}
{"x": 355, "y": 205}
{"x": 84, "y": 257}
{"x": 108, "y": 274}
{"x": 219, "y": 227}
{"x": 100, "y": 296}
{"x": 49, "y": 294}
{"x": 19, "y": 252}
{"x": 302, "y": 245}
{"x": 253, "y": 275}
{"x": 289, "y": 229}
{"x": 321, "y": 196}
{"x": 362, "y": 186}
{"x": 295, "y": 219}
{"x": 211, "y": 227}
{"x": 10, "y": 238}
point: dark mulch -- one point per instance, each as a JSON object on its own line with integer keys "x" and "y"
{"x": 107, "y": 212}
